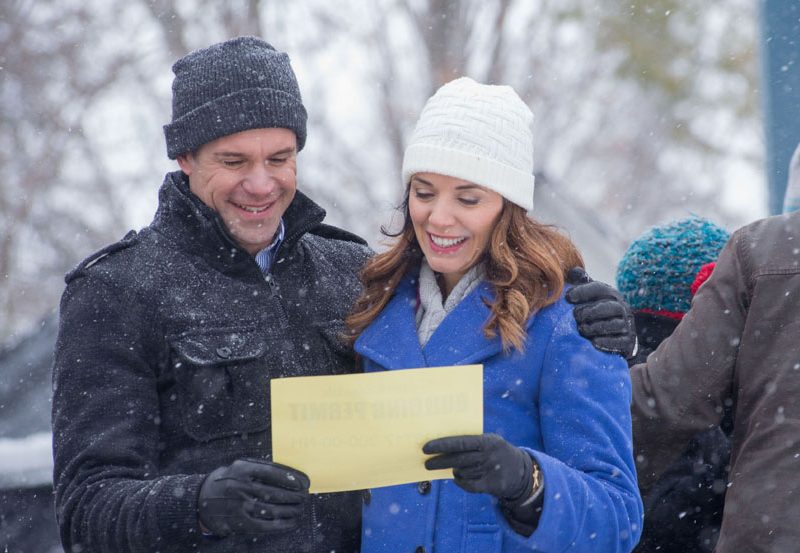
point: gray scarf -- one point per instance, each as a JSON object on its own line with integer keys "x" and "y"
{"x": 432, "y": 310}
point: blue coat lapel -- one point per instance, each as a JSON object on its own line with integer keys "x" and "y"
{"x": 391, "y": 340}
{"x": 459, "y": 339}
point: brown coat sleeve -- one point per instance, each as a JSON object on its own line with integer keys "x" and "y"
{"x": 682, "y": 387}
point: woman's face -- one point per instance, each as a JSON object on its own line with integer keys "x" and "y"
{"x": 453, "y": 220}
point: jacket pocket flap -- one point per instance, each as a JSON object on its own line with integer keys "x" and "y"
{"x": 220, "y": 345}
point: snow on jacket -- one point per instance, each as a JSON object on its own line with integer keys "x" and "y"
{"x": 167, "y": 344}
{"x": 738, "y": 346}
{"x": 562, "y": 399}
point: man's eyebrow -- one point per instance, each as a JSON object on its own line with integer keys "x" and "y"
{"x": 289, "y": 150}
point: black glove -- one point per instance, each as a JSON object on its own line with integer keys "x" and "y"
{"x": 484, "y": 463}
{"x": 603, "y": 317}
{"x": 252, "y": 497}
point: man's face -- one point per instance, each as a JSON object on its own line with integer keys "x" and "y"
{"x": 249, "y": 178}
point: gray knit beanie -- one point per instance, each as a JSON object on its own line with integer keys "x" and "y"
{"x": 229, "y": 87}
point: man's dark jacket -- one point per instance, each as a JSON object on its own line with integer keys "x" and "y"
{"x": 167, "y": 344}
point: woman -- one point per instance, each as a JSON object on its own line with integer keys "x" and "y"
{"x": 471, "y": 279}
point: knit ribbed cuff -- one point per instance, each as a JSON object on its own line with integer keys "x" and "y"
{"x": 178, "y": 522}
{"x": 511, "y": 183}
{"x": 251, "y": 108}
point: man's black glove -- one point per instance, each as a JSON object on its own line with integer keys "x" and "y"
{"x": 252, "y": 497}
{"x": 603, "y": 317}
{"x": 484, "y": 463}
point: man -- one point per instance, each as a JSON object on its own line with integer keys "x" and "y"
{"x": 169, "y": 338}
{"x": 738, "y": 347}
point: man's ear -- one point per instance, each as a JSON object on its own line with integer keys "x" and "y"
{"x": 186, "y": 163}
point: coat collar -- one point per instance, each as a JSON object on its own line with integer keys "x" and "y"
{"x": 391, "y": 340}
{"x": 196, "y": 228}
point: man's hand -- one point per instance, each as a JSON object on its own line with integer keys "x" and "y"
{"x": 603, "y": 317}
{"x": 484, "y": 463}
{"x": 252, "y": 497}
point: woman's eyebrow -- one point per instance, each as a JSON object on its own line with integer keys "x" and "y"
{"x": 465, "y": 186}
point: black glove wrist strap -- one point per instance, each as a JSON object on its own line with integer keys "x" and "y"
{"x": 524, "y": 516}
{"x": 635, "y": 347}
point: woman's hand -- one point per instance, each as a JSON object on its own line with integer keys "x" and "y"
{"x": 484, "y": 463}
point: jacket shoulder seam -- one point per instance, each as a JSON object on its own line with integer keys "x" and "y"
{"x": 742, "y": 245}
{"x": 767, "y": 271}
{"x": 102, "y": 254}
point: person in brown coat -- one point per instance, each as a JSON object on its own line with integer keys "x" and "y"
{"x": 737, "y": 347}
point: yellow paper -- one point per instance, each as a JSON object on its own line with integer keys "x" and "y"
{"x": 356, "y": 431}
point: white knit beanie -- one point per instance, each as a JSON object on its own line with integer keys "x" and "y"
{"x": 479, "y": 133}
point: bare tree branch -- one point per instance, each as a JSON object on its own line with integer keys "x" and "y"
{"x": 172, "y": 25}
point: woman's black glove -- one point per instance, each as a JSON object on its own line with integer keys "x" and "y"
{"x": 485, "y": 464}
{"x": 603, "y": 317}
{"x": 252, "y": 497}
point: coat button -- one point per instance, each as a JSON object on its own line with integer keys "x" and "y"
{"x": 366, "y": 495}
{"x": 424, "y": 487}
{"x": 419, "y": 549}
{"x": 224, "y": 352}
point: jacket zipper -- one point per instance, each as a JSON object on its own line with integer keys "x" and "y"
{"x": 274, "y": 290}
{"x": 313, "y": 522}
{"x": 273, "y": 285}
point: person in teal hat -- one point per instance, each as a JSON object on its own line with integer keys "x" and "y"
{"x": 658, "y": 275}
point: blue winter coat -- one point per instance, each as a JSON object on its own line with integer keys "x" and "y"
{"x": 568, "y": 403}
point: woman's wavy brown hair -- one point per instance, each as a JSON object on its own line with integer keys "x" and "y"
{"x": 526, "y": 262}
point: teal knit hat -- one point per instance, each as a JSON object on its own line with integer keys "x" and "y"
{"x": 658, "y": 269}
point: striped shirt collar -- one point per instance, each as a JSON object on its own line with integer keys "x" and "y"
{"x": 265, "y": 257}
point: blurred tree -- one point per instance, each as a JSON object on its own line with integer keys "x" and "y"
{"x": 693, "y": 65}
{"x": 49, "y": 80}
{"x": 643, "y": 109}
